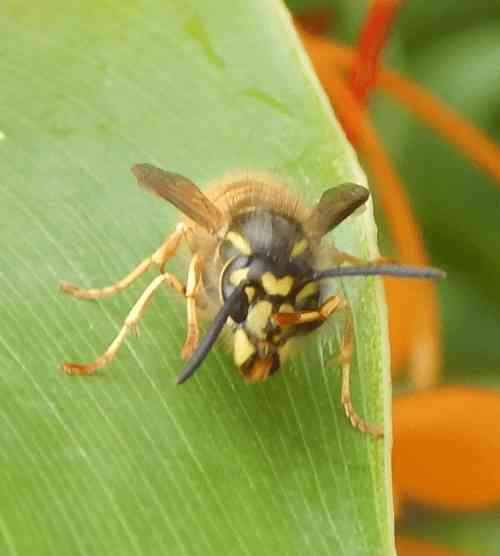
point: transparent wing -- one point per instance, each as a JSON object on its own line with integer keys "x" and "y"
{"x": 336, "y": 205}
{"x": 181, "y": 192}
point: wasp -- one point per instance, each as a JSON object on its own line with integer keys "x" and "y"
{"x": 257, "y": 257}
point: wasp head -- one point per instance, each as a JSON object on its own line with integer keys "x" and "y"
{"x": 272, "y": 284}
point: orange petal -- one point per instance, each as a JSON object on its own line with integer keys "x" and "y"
{"x": 447, "y": 448}
{"x": 372, "y": 39}
{"x": 470, "y": 140}
{"x": 406, "y": 546}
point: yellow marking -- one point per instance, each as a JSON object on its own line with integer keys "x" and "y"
{"x": 329, "y": 306}
{"x": 239, "y": 242}
{"x": 285, "y": 350}
{"x": 238, "y": 275}
{"x": 250, "y": 293}
{"x": 258, "y": 317}
{"x": 307, "y": 290}
{"x": 299, "y": 247}
{"x": 286, "y": 308}
{"x": 277, "y": 286}
{"x": 243, "y": 348}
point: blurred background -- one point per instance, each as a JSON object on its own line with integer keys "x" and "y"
{"x": 451, "y": 48}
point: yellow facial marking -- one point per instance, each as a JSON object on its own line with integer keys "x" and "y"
{"x": 299, "y": 247}
{"x": 243, "y": 348}
{"x": 239, "y": 242}
{"x": 307, "y": 290}
{"x": 285, "y": 350}
{"x": 277, "y": 286}
{"x": 238, "y": 275}
{"x": 286, "y": 308}
{"x": 258, "y": 317}
{"x": 250, "y": 293}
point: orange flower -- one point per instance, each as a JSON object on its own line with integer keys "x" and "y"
{"x": 447, "y": 448}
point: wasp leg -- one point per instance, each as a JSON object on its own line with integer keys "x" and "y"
{"x": 331, "y": 305}
{"x": 158, "y": 258}
{"x": 345, "y": 359}
{"x": 301, "y": 317}
{"x": 130, "y": 324}
{"x": 338, "y": 257}
{"x": 193, "y": 283}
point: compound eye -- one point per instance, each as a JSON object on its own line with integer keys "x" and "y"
{"x": 240, "y": 311}
{"x": 232, "y": 274}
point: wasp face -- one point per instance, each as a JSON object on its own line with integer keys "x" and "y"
{"x": 271, "y": 253}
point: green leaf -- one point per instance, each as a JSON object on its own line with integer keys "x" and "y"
{"x": 124, "y": 462}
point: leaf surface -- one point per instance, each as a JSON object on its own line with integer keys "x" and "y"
{"x": 124, "y": 462}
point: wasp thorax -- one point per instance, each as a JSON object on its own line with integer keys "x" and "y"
{"x": 272, "y": 254}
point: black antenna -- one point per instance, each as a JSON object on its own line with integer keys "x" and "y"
{"x": 401, "y": 271}
{"x": 213, "y": 333}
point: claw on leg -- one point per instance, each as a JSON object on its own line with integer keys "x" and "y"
{"x": 104, "y": 359}
{"x": 345, "y": 358}
{"x": 130, "y": 325}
